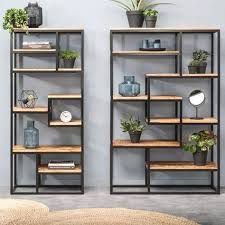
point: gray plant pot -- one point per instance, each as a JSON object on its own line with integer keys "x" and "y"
{"x": 68, "y": 63}
{"x": 200, "y": 158}
{"x": 135, "y": 137}
{"x": 197, "y": 69}
{"x": 135, "y": 18}
{"x": 150, "y": 21}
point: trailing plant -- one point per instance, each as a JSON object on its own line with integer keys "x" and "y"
{"x": 137, "y": 5}
{"x": 69, "y": 54}
{"x": 199, "y": 58}
{"x": 131, "y": 125}
{"x": 203, "y": 140}
{"x": 150, "y": 12}
{"x": 15, "y": 18}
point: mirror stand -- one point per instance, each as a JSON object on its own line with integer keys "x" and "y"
{"x": 196, "y": 115}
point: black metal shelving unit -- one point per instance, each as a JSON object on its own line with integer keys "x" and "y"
{"x": 18, "y": 149}
{"x": 213, "y": 167}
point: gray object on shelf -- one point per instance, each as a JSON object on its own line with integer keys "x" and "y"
{"x": 129, "y": 87}
{"x": 200, "y": 157}
{"x": 135, "y": 18}
{"x": 68, "y": 63}
{"x": 31, "y": 135}
{"x": 150, "y": 21}
{"x": 34, "y": 15}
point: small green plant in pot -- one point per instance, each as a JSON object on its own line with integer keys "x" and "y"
{"x": 199, "y": 62}
{"x": 133, "y": 127}
{"x": 199, "y": 144}
{"x": 15, "y": 18}
{"x": 69, "y": 57}
{"x": 135, "y": 8}
{"x": 150, "y": 17}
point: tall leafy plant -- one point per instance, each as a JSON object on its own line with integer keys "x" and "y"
{"x": 15, "y": 18}
{"x": 137, "y": 5}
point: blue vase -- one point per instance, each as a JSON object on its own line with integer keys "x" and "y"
{"x": 129, "y": 88}
{"x": 31, "y": 135}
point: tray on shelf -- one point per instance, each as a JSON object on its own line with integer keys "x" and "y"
{"x": 152, "y": 49}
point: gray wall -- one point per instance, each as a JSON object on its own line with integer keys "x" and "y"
{"x": 97, "y": 17}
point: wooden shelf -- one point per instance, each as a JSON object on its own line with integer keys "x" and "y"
{"x": 158, "y": 120}
{"x": 176, "y": 75}
{"x": 48, "y": 30}
{"x": 145, "y": 97}
{"x": 166, "y": 30}
{"x": 48, "y": 149}
{"x": 43, "y": 169}
{"x": 145, "y": 53}
{"x": 38, "y": 51}
{"x": 181, "y": 166}
{"x": 30, "y": 110}
{"x": 146, "y": 144}
{"x": 52, "y": 70}
{"x": 64, "y": 96}
{"x": 59, "y": 123}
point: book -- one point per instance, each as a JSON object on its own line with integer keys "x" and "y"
{"x": 62, "y": 164}
{"x": 37, "y": 45}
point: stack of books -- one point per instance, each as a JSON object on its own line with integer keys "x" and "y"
{"x": 61, "y": 164}
{"x": 37, "y": 45}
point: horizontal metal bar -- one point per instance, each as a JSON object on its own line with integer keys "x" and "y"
{"x": 129, "y": 186}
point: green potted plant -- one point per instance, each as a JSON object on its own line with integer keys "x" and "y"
{"x": 15, "y": 18}
{"x": 69, "y": 57}
{"x": 135, "y": 8}
{"x": 199, "y": 144}
{"x": 133, "y": 127}
{"x": 199, "y": 62}
{"x": 150, "y": 17}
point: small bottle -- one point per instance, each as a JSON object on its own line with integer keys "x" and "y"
{"x": 31, "y": 135}
{"x": 157, "y": 43}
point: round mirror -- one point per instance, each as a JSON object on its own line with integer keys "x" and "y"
{"x": 196, "y": 98}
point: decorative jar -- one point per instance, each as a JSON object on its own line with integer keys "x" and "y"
{"x": 34, "y": 15}
{"x": 31, "y": 135}
{"x": 129, "y": 88}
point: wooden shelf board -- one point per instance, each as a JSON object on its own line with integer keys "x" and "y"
{"x": 48, "y": 149}
{"x": 145, "y": 143}
{"x": 44, "y": 169}
{"x": 166, "y": 29}
{"x": 181, "y": 166}
{"x": 176, "y": 75}
{"x": 37, "y": 109}
{"x": 47, "y": 29}
{"x": 143, "y": 53}
{"x": 33, "y": 70}
{"x": 145, "y": 97}
{"x": 207, "y": 120}
{"x": 64, "y": 96}
{"x": 60, "y": 123}
{"x": 70, "y": 69}
{"x": 34, "y": 51}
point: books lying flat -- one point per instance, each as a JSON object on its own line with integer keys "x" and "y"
{"x": 61, "y": 164}
{"x": 37, "y": 45}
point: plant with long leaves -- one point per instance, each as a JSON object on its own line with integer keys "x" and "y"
{"x": 131, "y": 125}
{"x": 137, "y": 5}
{"x": 203, "y": 140}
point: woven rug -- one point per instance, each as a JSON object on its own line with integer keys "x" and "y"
{"x": 14, "y": 212}
{"x": 113, "y": 216}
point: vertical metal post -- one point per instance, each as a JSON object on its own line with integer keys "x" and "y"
{"x": 148, "y": 172}
{"x": 212, "y": 99}
{"x": 149, "y": 100}
{"x": 181, "y": 53}
{"x": 49, "y": 110}
{"x": 111, "y": 112}
{"x": 176, "y": 116}
{"x": 57, "y": 51}
{"x": 82, "y": 111}
{"x": 176, "y": 59}
{"x": 146, "y": 102}
{"x": 181, "y": 122}
{"x": 37, "y": 174}
{"x": 218, "y": 113}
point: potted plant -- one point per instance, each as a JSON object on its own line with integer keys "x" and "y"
{"x": 199, "y": 145}
{"x": 15, "y": 18}
{"x": 150, "y": 17}
{"x": 199, "y": 62}
{"x": 135, "y": 8}
{"x": 133, "y": 127}
{"x": 69, "y": 57}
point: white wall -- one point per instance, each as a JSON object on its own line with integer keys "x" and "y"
{"x": 97, "y": 17}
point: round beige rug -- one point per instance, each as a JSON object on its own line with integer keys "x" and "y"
{"x": 113, "y": 216}
{"x": 15, "y": 211}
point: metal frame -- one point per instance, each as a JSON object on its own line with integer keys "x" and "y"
{"x": 76, "y": 189}
{"x": 212, "y": 188}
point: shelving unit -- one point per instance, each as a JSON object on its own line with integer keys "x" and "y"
{"x": 178, "y": 121}
{"x": 17, "y": 148}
